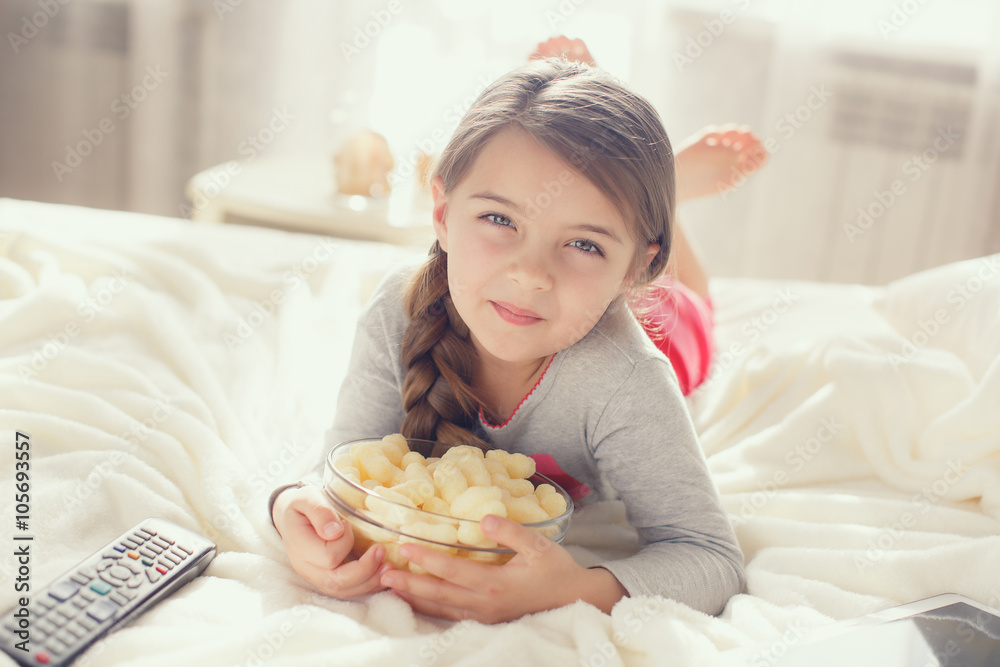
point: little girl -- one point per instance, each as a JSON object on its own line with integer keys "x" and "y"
{"x": 553, "y": 208}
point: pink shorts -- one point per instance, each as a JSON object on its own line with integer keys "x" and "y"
{"x": 679, "y": 321}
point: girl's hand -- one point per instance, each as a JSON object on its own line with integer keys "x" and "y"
{"x": 318, "y": 542}
{"x": 543, "y": 575}
{"x": 571, "y": 49}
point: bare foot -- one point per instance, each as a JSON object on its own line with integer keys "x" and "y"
{"x": 571, "y": 49}
{"x": 716, "y": 160}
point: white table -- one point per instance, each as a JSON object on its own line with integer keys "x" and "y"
{"x": 298, "y": 194}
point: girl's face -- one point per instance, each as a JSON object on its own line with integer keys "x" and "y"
{"x": 536, "y": 253}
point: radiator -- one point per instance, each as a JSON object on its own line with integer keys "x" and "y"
{"x": 882, "y": 166}
{"x": 899, "y": 130}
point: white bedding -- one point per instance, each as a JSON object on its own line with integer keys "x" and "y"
{"x": 163, "y": 368}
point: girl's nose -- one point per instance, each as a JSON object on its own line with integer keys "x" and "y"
{"x": 531, "y": 270}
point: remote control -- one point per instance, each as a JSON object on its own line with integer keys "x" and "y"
{"x": 105, "y": 591}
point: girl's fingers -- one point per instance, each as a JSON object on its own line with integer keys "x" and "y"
{"x": 353, "y": 578}
{"x": 433, "y": 589}
{"x": 311, "y": 549}
{"x": 318, "y": 542}
{"x": 324, "y": 519}
{"x": 457, "y": 582}
{"x": 437, "y": 609}
{"x": 528, "y": 544}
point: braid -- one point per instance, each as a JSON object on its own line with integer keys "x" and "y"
{"x": 439, "y": 361}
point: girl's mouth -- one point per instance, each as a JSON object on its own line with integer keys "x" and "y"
{"x": 514, "y": 315}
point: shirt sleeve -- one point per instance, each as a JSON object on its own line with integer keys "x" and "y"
{"x": 646, "y": 446}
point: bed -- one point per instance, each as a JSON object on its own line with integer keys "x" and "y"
{"x": 164, "y": 368}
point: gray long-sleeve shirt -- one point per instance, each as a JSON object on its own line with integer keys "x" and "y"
{"x": 610, "y": 411}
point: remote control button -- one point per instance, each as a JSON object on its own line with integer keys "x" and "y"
{"x": 172, "y": 558}
{"x": 77, "y": 629}
{"x": 131, "y": 543}
{"x": 120, "y": 548}
{"x": 119, "y": 572}
{"x": 114, "y": 582}
{"x": 55, "y": 647}
{"x": 46, "y": 626}
{"x": 184, "y": 549}
{"x": 43, "y": 658}
{"x": 56, "y": 617}
{"x": 148, "y": 531}
{"x": 80, "y": 602}
{"x": 160, "y": 542}
{"x": 63, "y": 591}
{"x": 88, "y": 595}
{"x": 153, "y": 576}
{"x": 147, "y": 562}
{"x": 102, "y": 610}
{"x": 66, "y": 637}
{"x": 139, "y": 536}
{"x": 87, "y": 622}
{"x": 132, "y": 584}
{"x": 68, "y": 610}
{"x": 118, "y": 598}
{"x": 88, "y": 571}
{"x": 177, "y": 552}
{"x": 46, "y": 602}
{"x": 133, "y": 567}
{"x": 80, "y": 578}
{"x": 161, "y": 569}
{"x": 148, "y": 553}
{"x": 166, "y": 539}
{"x": 154, "y": 548}
{"x": 101, "y": 587}
{"x": 105, "y": 564}
{"x": 133, "y": 555}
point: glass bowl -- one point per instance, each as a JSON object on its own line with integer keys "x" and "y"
{"x": 376, "y": 519}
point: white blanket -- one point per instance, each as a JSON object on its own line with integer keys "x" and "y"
{"x": 168, "y": 369}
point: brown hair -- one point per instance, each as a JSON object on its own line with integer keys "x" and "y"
{"x": 610, "y": 135}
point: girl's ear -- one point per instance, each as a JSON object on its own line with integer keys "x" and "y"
{"x": 651, "y": 250}
{"x": 440, "y": 211}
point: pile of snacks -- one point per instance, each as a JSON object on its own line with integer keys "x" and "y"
{"x": 438, "y": 501}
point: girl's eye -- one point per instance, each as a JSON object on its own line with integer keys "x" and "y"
{"x": 497, "y": 220}
{"x": 587, "y": 247}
